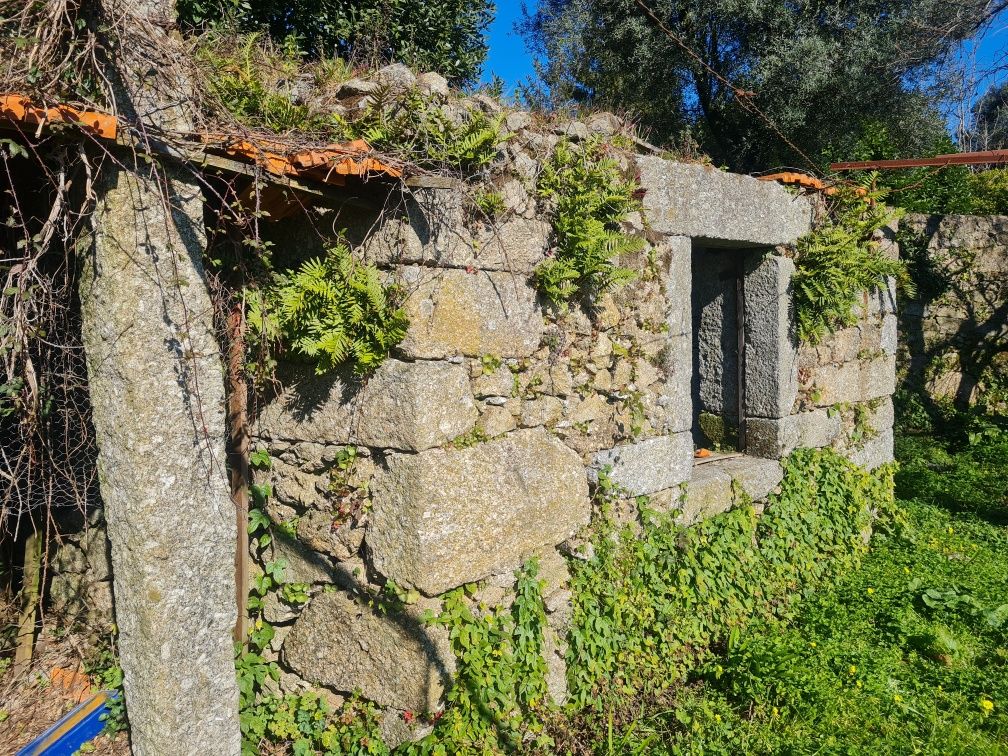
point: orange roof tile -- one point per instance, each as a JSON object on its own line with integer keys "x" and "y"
{"x": 18, "y": 108}
{"x": 327, "y": 165}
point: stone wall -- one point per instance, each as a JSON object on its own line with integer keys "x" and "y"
{"x": 476, "y": 446}
{"x": 955, "y": 331}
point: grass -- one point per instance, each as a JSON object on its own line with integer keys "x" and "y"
{"x": 907, "y": 654}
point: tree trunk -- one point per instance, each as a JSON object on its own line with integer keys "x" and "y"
{"x": 155, "y": 376}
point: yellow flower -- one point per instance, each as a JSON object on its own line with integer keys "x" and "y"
{"x": 858, "y": 683}
{"x": 906, "y": 570}
{"x": 871, "y": 591}
{"x": 813, "y": 644}
{"x": 897, "y": 698}
{"x": 717, "y": 717}
{"x": 986, "y": 705}
{"x": 774, "y": 711}
{"x": 852, "y": 670}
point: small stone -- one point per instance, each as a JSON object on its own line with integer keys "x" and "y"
{"x": 622, "y": 374}
{"x": 432, "y": 83}
{"x": 603, "y": 123}
{"x": 302, "y": 564}
{"x": 518, "y": 120}
{"x": 315, "y": 530}
{"x": 496, "y": 421}
{"x": 574, "y": 130}
{"x": 542, "y": 411}
{"x": 356, "y": 87}
{"x": 276, "y": 612}
{"x": 645, "y": 374}
{"x": 603, "y": 381}
{"x": 486, "y": 103}
{"x": 592, "y": 409}
{"x": 396, "y": 76}
{"x": 560, "y": 381}
{"x": 602, "y": 347}
{"x": 498, "y": 383}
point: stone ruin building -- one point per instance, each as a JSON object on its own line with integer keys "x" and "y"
{"x": 477, "y": 444}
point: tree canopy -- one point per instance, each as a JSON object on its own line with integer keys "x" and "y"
{"x": 821, "y": 70}
{"x": 440, "y": 35}
{"x": 990, "y": 118}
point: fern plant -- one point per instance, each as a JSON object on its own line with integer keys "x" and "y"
{"x": 416, "y": 128}
{"x": 590, "y": 198}
{"x": 837, "y": 261}
{"x": 333, "y": 311}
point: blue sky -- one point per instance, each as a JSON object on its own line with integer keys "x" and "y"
{"x": 509, "y": 59}
{"x": 507, "y": 56}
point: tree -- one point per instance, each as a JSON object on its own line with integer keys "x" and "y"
{"x": 990, "y": 118}
{"x": 439, "y": 35}
{"x": 819, "y": 69}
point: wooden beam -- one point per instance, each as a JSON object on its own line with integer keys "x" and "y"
{"x": 30, "y": 589}
{"x": 432, "y": 181}
{"x": 238, "y": 438}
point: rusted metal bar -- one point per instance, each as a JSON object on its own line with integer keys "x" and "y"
{"x": 990, "y": 157}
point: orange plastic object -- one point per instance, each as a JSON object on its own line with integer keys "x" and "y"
{"x": 18, "y": 108}
{"x": 74, "y": 684}
{"x": 701, "y": 453}
{"x": 800, "y": 179}
{"x": 808, "y": 182}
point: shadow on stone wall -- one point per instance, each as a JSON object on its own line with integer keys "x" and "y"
{"x": 954, "y": 332}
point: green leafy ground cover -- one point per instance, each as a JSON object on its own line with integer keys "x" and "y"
{"x": 906, "y": 654}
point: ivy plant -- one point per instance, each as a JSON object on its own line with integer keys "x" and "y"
{"x": 495, "y": 703}
{"x": 650, "y": 603}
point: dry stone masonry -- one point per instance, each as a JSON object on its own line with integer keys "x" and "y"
{"x": 955, "y": 331}
{"x": 477, "y": 444}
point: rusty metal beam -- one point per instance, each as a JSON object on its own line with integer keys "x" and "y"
{"x": 990, "y": 157}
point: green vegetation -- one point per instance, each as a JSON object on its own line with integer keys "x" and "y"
{"x": 422, "y": 131}
{"x": 590, "y": 198}
{"x": 770, "y": 634}
{"x": 442, "y": 35}
{"x": 837, "y": 261}
{"x": 861, "y": 61}
{"x": 102, "y": 666}
{"x": 908, "y": 654}
{"x": 274, "y": 721}
{"x": 333, "y": 311}
{"x": 434, "y": 35}
{"x": 648, "y": 605}
{"x": 952, "y": 189}
{"x": 496, "y": 702}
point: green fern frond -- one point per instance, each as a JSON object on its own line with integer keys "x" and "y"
{"x": 590, "y": 199}
{"x": 333, "y": 311}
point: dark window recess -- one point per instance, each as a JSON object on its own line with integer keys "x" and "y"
{"x": 718, "y": 348}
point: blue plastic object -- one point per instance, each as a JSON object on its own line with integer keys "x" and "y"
{"x": 75, "y": 729}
